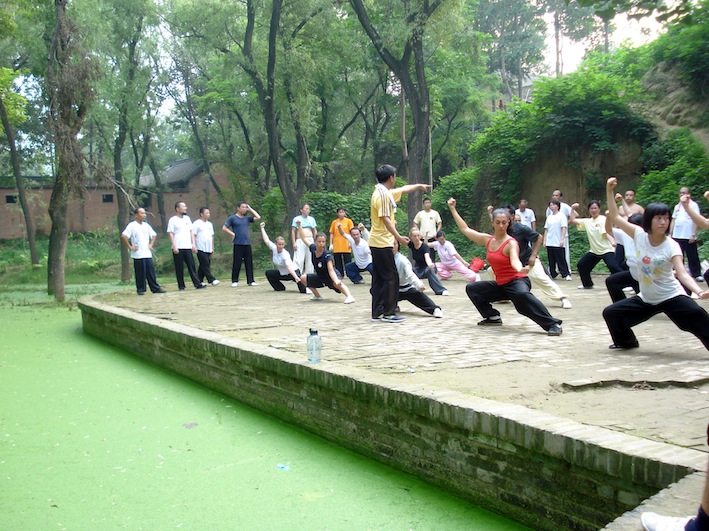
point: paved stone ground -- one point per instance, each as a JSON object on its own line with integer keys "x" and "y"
{"x": 659, "y": 391}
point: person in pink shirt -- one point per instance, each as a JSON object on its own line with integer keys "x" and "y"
{"x": 450, "y": 260}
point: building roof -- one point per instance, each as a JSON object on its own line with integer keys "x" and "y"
{"x": 177, "y": 174}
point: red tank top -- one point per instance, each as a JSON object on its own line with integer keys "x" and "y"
{"x": 504, "y": 272}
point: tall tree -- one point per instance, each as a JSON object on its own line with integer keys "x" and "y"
{"x": 70, "y": 74}
{"x": 569, "y": 20}
{"x": 408, "y": 64}
{"x": 11, "y": 112}
{"x": 517, "y": 46}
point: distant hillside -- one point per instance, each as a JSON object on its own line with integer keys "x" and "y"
{"x": 674, "y": 106}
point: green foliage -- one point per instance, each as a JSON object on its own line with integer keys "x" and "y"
{"x": 686, "y": 45}
{"x": 676, "y": 161}
{"x": 15, "y": 104}
{"x": 625, "y": 62}
{"x": 586, "y": 110}
{"x": 324, "y": 205}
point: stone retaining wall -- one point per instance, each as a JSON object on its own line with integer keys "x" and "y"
{"x": 544, "y": 471}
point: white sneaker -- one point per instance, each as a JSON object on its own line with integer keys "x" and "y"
{"x": 438, "y": 313}
{"x": 445, "y": 293}
{"x": 349, "y": 300}
{"x": 234, "y": 284}
{"x": 628, "y": 289}
{"x": 308, "y": 292}
{"x": 584, "y": 287}
{"x": 317, "y": 298}
{"x": 204, "y": 284}
{"x": 568, "y": 278}
{"x": 215, "y": 282}
{"x": 656, "y": 522}
{"x": 565, "y": 303}
{"x": 253, "y": 284}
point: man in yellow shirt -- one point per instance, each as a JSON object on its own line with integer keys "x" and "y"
{"x": 385, "y": 279}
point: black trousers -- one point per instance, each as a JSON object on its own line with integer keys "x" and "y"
{"x": 617, "y": 281}
{"x": 145, "y": 274}
{"x": 205, "y": 266}
{"x": 275, "y": 278}
{"x": 418, "y": 299}
{"x": 690, "y": 251}
{"x": 341, "y": 259}
{"x": 589, "y": 261}
{"x": 682, "y": 311}
{"x": 242, "y": 253}
{"x": 385, "y": 282}
{"x": 557, "y": 258}
{"x": 184, "y": 258}
{"x": 482, "y": 293}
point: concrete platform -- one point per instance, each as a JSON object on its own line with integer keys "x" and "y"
{"x": 657, "y": 393}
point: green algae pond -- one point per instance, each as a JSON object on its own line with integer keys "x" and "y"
{"x": 94, "y": 438}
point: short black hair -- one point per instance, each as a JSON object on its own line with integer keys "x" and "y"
{"x": 636, "y": 219}
{"x": 652, "y": 210}
{"x": 384, "y": 172}
{"x": 594, "y": 202}
{"x": 440, "y": 233}
{"x": 202, "y": 209}
{"x": 555, "y": 202}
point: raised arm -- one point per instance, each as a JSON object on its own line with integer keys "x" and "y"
{"x": 698, "y": 219}
{"x": 574, "y": 214}
{"x": 255, "y": 214}
{"x": 406, "y": 189}
{"x": 613, "y": 214}
{"x": 264, "y": 236}
{"x": 478, "y": 237}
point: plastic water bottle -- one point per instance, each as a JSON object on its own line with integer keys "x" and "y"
{"x": 314, "y": 346}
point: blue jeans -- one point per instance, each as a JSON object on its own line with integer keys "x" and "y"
{"x": 353, "y": 271}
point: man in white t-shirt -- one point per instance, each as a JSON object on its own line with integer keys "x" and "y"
{"x": 565, "y": 209}
{"x": 526, "y": 215}
{"x": 204, "y": 241}
{"x": 140, "y": 238}
{"x": 179, "y": 230}
{"x": 357, "y": 238}
{"x": 684, "y": 232}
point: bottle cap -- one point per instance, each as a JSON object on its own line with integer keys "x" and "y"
{"x": 313, "y": 331}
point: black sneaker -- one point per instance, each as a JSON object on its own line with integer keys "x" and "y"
{"x": 623, "y": 347}
{"x": 490, "y": 321}
{"x": 393, "y": 319}
{"x": 554, "y": 330}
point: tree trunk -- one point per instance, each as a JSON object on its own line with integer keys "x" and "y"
{"x": 20, "y": 183}
{"x": 557, "y": 42}
{"x": 58, "y": 235}
{"x": 266, "y": 96}
{"x": 414, "y": 83}
{"x": 159, "y": 193}
{"x": 70, "y": 73}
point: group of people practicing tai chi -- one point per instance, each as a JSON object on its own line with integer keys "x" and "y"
{"x": 640, "y": 236}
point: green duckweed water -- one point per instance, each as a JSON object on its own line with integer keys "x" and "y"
{"x": 93, "y": 438}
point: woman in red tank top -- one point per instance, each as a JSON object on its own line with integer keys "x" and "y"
{"x": 511, "y": 276}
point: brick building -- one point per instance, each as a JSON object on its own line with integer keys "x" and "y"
{"x": 184, "y": 180}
